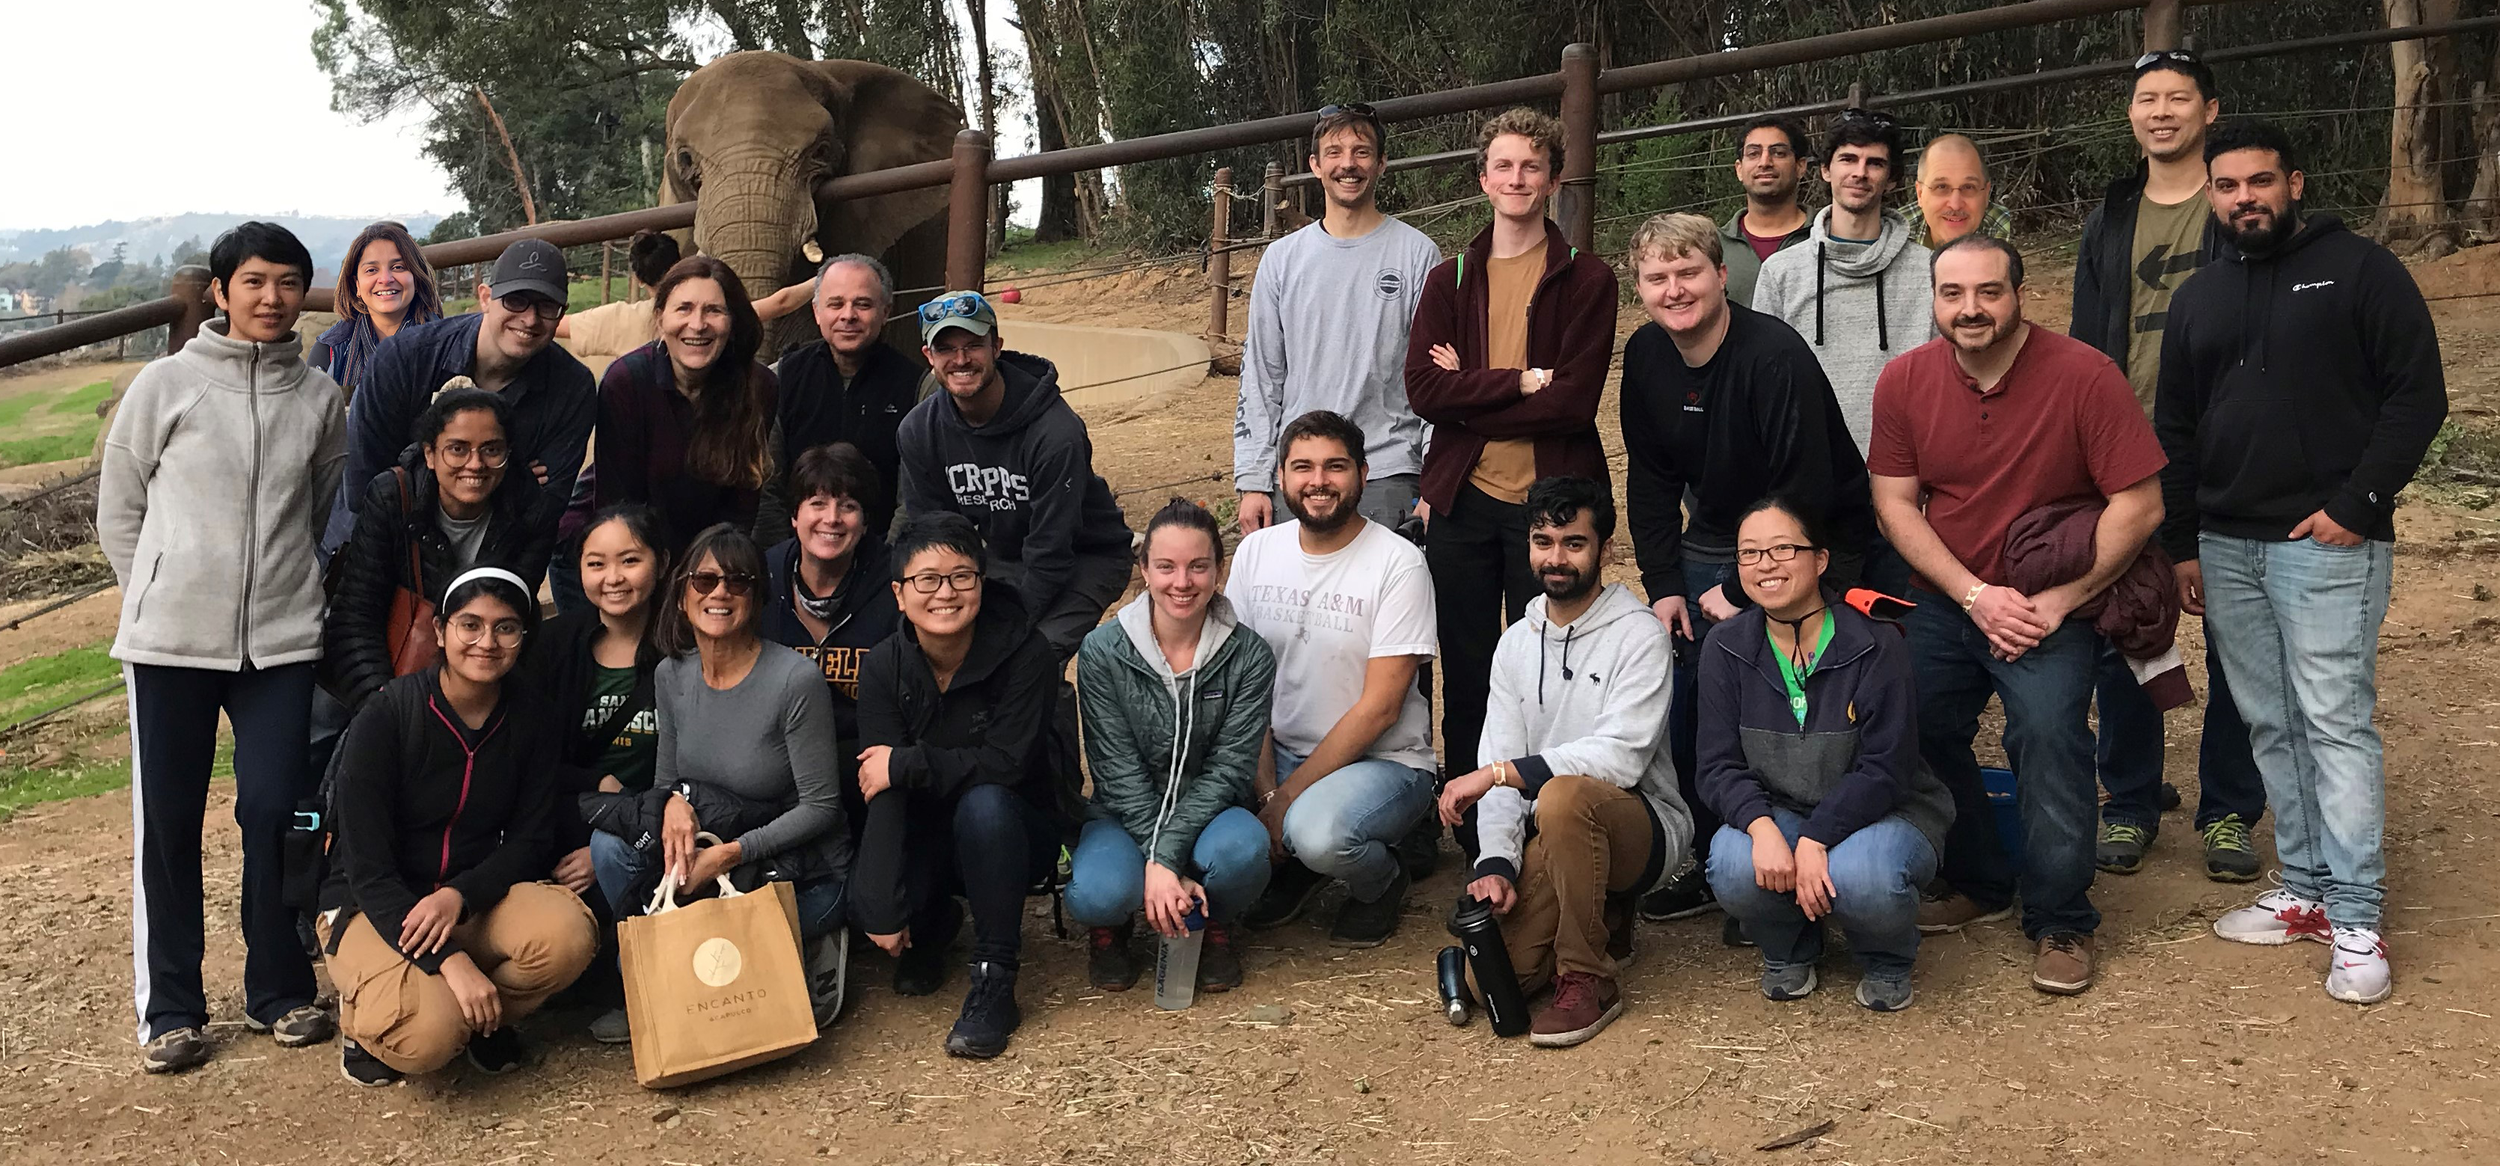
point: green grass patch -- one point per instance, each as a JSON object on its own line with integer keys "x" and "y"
{"x": 31, "y": 686}
{"x": 16, "y": 408}
{"x": 1024, "y": 255}
{"x": 84, "y": 400}
{"x": 20, "y": 788}
{"x": 52, "y": 447}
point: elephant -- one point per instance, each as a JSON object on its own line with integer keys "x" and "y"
{"x": 752, "y": 133}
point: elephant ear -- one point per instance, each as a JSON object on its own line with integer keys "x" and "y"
{"x": 885, "y": 118}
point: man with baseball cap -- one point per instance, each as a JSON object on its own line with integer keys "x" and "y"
{"x": 1001, "y": 448}
{"x": 508, "y": 347}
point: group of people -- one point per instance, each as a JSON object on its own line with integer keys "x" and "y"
{"x": 811, "y": 626}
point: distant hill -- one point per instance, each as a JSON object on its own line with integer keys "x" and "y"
{"x": 327, "y": 236}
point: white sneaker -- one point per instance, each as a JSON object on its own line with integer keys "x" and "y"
{"x": 2359, "y": 973}
{"x": 2278, "y": 917}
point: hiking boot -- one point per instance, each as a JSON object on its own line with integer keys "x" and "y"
{"x": 2062, "y": 964}
{"x": 2229, "y": 856}
{"x": 2359, "y": 973}
{"x": 1953, "y": 911}
{"x": 1884, "y": 995}
{"x": 2277, "y": 917}
{"x": 1108, "y": 964}
{"x": 1420, "y": 850}
{"x": 1732, "y": 933}
{"x": 1582, "y": 1005}
{"x": 2122, "y": 847}
{"x": 828, "y": 974}
{"x": 175, "y": 1050}
{"x": 307, "y": 1025}
{"x": 363, "y": 1068}
{"x": 1618, "y": 917}
{"x": 1361, "y": 924}
{"x": 1289, "y": 890}
{"x": 1219, "y": 962}
{"x": 1687, "y": 895}
{"x": 1784, "y": 982}
{"x": 612, "y": 1028}
{"x": 499, "y": 1052}
{"x": 921, "y": 969}
{"x": 989, "y": 1016}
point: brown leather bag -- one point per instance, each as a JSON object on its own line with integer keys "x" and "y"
{"x": 410, "y": 633}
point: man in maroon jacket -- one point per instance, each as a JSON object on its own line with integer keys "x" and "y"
{"x": 1506, "y": 361}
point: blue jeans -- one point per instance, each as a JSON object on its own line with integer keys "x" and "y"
{"x": 2297, "y": 626}
{"x": 2048, "y": 737}
{"x": 1343, "y": 825}
{"x": 616, "y": 867}
{"x": 2131, "y": 748}
{"x": 1108, "y": 885}
{"x": 1876, "y": 874}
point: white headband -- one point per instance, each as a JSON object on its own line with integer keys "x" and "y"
{"x": 486, "y": 573}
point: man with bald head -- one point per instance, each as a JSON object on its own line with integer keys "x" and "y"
{"x": 1954, "y": 197}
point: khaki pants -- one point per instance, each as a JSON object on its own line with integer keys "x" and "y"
{"x": 531, "y": 945}
{"x": 1592, "y": 839}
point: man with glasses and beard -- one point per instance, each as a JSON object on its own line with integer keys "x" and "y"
{"x": 2300, "y": 388}
{"x": 1575, "y": 742}
{"x": 1974, "y": 430}
{"x": 1347, "y": 607}
{"x": 1329, "y": 311}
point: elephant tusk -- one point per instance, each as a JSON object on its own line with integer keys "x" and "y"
{"x": 811, "y": 252}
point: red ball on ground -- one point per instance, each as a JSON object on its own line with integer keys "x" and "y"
{"x": 1009, "y": 295}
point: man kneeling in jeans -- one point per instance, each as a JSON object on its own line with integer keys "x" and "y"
{"x": 1575, "y": 742}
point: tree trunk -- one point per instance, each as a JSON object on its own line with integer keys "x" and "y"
{"x": 1060, "y": 216}
{"x": 512, "y": 158}
{"x": 2414, "y": 205}
{"x": 979, "y": 10}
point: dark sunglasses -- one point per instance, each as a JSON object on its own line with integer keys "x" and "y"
{"x": 2182, "y": 56}
{"x": 1351, "y": 109}
{"x": 706, "y": 582}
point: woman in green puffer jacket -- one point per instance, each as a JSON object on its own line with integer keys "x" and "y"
{"x": 1175, "y": 700}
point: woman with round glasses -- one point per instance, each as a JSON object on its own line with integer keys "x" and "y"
{"x": 1809, "y": 754}
{"x": 457, "y": 508}
{"x": 434, "y": 923}
{"x": 685, "y": 421}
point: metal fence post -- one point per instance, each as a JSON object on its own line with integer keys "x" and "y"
{"x": 968, "y": 212}
{"x": 1219, "y": 260}
{"x": 2161, "y": 25}
{"x": 1576, "y": 207}
{"x": 1271, "y": 193}
{"x": 190, "y": 286}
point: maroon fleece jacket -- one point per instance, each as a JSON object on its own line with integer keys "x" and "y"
{"x": 1571, "y": 330}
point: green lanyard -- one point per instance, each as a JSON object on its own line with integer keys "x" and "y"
{"x": 1788, "y": 669}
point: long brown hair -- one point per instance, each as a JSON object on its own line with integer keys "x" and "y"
{"x": 730, "y": 445}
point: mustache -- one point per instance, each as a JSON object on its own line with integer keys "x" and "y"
{"x": 1973, "y": 321}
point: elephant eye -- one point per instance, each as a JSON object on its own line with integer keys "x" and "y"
{"x": 685, "y": 162}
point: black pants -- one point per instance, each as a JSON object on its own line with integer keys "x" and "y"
{"x": 1478, "y": 553}
{"x": 987, "y": 844}
{"x": 173, "y": 743}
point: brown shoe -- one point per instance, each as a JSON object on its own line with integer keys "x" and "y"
{"x": 1581, "y": 1006}
{"x": 2063, "y": 964}
{"x": 1954, "y": 911}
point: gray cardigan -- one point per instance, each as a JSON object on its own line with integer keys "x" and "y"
{"x": 768, "y": 738}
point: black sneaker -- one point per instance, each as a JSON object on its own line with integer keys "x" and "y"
{"x": 363, "y": 1068}
{"x": 1361, "y": 924}
{"x": 828, "y": 975}
{"x": 1684, "y": 897}
{"x": 921, "y": 969}
{"x": 308, "y": 1025}
{"x": 989, "y": 1016}
{"x": 1732, "y": 933}
{"x": 2122, "y": 847}
{"x": 1219, "y": 962}
{"x": 2170, "y": 799}
{"x": 1108, "y": 964}
{"x": 1420, "y": 851}
{"x": 1289, "y": 890}
{"x": 175, "y": 1050}
{"x": 499, "y": 1052}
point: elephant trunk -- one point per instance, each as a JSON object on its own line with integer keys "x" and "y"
{"x": 757, "y": 225}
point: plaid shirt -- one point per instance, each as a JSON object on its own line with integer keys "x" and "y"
{"x": 1996, "y": 223}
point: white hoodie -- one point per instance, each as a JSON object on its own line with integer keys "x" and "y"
{"x": 1588, "y": 697}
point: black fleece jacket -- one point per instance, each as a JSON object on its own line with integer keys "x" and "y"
{"x": 2301, "y": 380}
{"x": 355, "y": 636}
{"x": 557, "y": 666}
{"x": 1759, "y": 418}
{"x": 2103, "y": 285}
{"x": 425, "y": 802}
{"x": 818, "y": 407}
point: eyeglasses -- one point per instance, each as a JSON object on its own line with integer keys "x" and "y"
{"x": 1868, "y": 116}
{"x": 492, "y": 454}
{"x": 541, "y": 306}
{"x": 471, "y": 630}
{"x": 927, "y": 582}
{"x": 706, "y": 582}
{"x": 2182, "y": 56}
{"x": 1777, "y": 553}
{"x": 967, "y": 306}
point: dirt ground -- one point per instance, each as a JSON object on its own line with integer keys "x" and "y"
{"x": 2188, "y": 1050}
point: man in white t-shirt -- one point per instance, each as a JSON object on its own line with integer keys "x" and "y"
{"x": 1346, "y": 604}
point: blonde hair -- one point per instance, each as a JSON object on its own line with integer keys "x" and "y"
{"x": 1544, "y": 132}
{"x": 1674, "y": 237}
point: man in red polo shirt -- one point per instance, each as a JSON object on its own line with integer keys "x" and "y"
{"x": 1987, "y": 422}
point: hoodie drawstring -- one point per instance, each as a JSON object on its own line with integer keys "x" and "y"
{"x": 1818, "y": 293}
{"x": 1184, "y": 712}
{"x": 1883, "y": 331}
{"x": 1568, "y": 632}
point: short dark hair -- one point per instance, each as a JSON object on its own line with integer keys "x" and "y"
{"x": 1559, "y": 499}
{"x": 451, "y": 403}
{"x": 258, "y": 240}
{"x": 1862, "y": 130}
{"x": 1809, "y": 521}
{"x": 522, "y": 605}
{"x": 1789, "y": 126}
{"x": 735, "y": 552}
{"x": 2249, "y": 133}
{"x": 2185, "y": 64}
{"x": 1978, "y": 241}
{"x": 1350, "y": 114}
{"x": 650, "y": 256}
{"x": 835, "y": 470}
{"x": 1182, "y": 512}
{"x": 942, "y": 530}
{"x": 1322, "y": 423}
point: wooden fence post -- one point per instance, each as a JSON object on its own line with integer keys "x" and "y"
{"x": 968, "y": 212}
{"x": 607, "y": 285}
{"x": 1219, "y": 260}
{"x": 1576, "y": 204}
{"x": 190, "y": 285}
{"x": 1271, "y": 196}
{"x": 2161, "y": 25}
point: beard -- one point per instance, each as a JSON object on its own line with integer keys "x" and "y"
{"x": 1566, "y": 584}
{"x": 1340, "y": 511}
{"x": 2266, "y": 239}
{"x": 1997, "y": 331}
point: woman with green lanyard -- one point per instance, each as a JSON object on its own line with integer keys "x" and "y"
{"x": 1808, "y": 750}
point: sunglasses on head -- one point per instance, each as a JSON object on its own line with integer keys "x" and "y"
{"x": 966, "y": 306}
{"x": 1868, "y": 116}
{"x": 1359, "y": 109}
{"x": 2158, "y": 55}
{"x": 707, "y": 582}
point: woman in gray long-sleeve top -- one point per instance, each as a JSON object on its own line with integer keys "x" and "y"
{"x": 746, "y": 753}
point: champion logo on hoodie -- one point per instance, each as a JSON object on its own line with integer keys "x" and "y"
{"x": 987, "y": 487}
{"x": 2302, "y": 287}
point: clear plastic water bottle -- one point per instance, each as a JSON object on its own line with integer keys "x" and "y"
{"x": 1176, "y": 964}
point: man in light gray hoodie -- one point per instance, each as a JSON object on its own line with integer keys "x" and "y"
{"x": 1858, "y": 288}
{"x": 217, "y": 474}
{"x": 1575, "y": 741}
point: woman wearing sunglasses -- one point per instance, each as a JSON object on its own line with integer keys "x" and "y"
{"x": 685, "y": 421}
{"x": 1808, "y": 751}
{"x": 434, "y": 924}
{"x": 746, "y": 755}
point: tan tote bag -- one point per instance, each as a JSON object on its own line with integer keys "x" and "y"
{"x": 715, "y": 985}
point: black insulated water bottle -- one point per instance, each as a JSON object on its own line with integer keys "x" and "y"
{"x": 1457, "y": 1002}
{"x": 1473, "y": 925}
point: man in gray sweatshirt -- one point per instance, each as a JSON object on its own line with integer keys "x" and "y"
{"x": 1575, "y": 741}
{"x": 1328, "y": 316}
